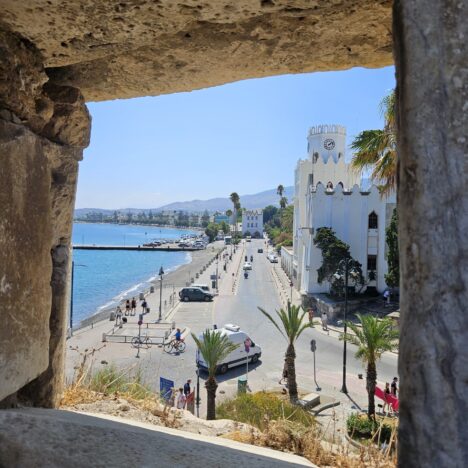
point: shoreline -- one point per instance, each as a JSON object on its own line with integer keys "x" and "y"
{"x": 167, "y": 226}
{"x": 177, "y": 278}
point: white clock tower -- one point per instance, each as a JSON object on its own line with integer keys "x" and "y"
{"x": 326, "y": 148}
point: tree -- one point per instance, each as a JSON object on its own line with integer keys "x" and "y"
{"x": 280, "y": 190}
{"x": 373, "y": 337}
{"x": 334, "y": 251}
{"x": 214, "y": 347}
{"x": 283, "y": 202}
{"x": 212, "y": 231}
{"x": 235, "y": 199}
{"x": 291, "y": 324}
{"x": 229, "y": 215}
{"x": 224, "y": 227}
{"x": 287, "y": 219}
{"x": 392, "y": 278}
{"x": 205, "y": 219}
{"x": 376, "y": 149}
{"x": 268, "y": 213}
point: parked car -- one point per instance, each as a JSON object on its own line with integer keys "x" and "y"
{"x": 195, "y": 294}
{"x": 260, "y": 251}
{"x": 247, "y": 266}
{"x": 239, "y": 356}
{"x": 273, "y": 258}
{"x": 205, "y": 287}
{"x": 183, "y": 244}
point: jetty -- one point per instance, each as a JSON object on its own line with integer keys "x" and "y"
{"x": 160, "y": 248}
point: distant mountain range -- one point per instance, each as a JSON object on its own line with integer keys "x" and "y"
{"x": 257, "y": 200}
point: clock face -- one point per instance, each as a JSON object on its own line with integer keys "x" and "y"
{"x": 329, "y": 144}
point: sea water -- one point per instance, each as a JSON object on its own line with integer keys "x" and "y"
{"x": 102, "y": 278}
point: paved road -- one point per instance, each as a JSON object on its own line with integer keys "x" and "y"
{"x": 241, "y": 309}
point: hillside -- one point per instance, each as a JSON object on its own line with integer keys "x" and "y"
{"x": 257, "y": 200}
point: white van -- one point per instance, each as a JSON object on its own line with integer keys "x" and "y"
{"x": 201, "y": 286}
{"x": 239, "y": 355}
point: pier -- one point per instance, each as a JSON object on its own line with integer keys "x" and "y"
{"x": 161, "y": 248}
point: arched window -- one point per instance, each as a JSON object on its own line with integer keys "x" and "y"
{"x": 341, "y": 183}
{"x": 329, "y": 186}
{"x": 373, "y": 221}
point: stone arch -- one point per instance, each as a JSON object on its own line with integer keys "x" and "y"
{"x": 45, "y": 125}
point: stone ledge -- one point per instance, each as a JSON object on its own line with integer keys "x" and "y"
{"x": 34, "y": 437}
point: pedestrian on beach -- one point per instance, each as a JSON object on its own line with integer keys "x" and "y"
{"x": 144, "y": 306}
{"x": 127, "y": 307}
{"x": 394, "y": 386}
{"x": 325, "y": 322}
{"x": 181, "y": 399}
{"x": 118, "y": 316}
{"x": 134, "y": 305}
{"x": 187, "y": 388}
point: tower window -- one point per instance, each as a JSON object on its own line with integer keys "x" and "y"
{"x": 315, "y": 159}
{"x": 373, "y": 221}
{"x": 371, "y": 262}
{"x": 330, "y": 186}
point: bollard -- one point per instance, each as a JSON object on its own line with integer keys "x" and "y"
{"x": 104, "y": 338}
{"x": 152, "y": 289}
{"x": 112, "y": 316}
{"x": 173, "y": 324}
{"x": 142, "y": 296}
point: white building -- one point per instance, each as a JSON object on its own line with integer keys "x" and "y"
{"x": 252, "y": 222}
{"x": 328, "y": 195}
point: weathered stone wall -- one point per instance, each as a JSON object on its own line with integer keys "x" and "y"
{"x": 43, "y": 128}
{"x": 120, "y": 49}
{"x": 431, "y": 56}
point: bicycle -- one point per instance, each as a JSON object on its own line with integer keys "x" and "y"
{"x": 140, "y": 341}
{"x": 179, "y": 346}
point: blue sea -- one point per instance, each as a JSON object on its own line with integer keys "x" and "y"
{"x": 103, "y": 278}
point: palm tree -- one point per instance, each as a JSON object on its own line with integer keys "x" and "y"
{"x": 280, "y": 190}
{"x": 292, "y": 325}
{"x": 376, "y": 149}
{"x": 235, "y": 200}
{"x": 214, "y": 347}
{"x": 283, "y": 202}
{"x": 372, "y": 337}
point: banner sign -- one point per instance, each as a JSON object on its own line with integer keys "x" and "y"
{"x": 165, "y": 388}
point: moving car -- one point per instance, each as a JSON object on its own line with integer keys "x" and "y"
{"x": 239, "y": 356}
{"x": 195, "y": 294}
{"x": 273, "y": 258}
{"x": 247, "y": 266}
{"x": 260, "y": 251}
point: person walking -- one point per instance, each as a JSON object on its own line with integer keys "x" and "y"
{"x": 325, "y": 322}
{"x": 386, "y": 405}
{"x": 387, "y": 296}
{"x": 181, "y": 399}
{"x": 310, "y": 311}
{"x": 144, "y": 306}
{"x": 118, "y": 316}
{"x": 187, "y": 388}
{"x": 127, "y": 307}
{"x": 394, "y": 387}
{"x": 134, "y": 305}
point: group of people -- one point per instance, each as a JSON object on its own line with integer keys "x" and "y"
{"x": 130, "y": 310}
{"x": 179, "y": 397}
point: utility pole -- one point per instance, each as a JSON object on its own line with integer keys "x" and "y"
{"x": 344, "y": 389}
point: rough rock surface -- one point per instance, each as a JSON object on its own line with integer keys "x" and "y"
{"x": 121, "y": 49}
{"x": 50, "y": 438}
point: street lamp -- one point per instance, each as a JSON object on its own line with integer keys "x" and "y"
{"x": 346, "y": 264}
{"x": 161, "y": 273}
{"x": 71, "y": 293}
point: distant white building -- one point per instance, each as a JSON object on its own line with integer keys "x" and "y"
{"x": 252, "y": 222}
{"x": 327, "y": 194}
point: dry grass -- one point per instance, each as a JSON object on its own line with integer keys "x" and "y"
{"x": 298, "y": 435}
{"x": 110, "y": 383}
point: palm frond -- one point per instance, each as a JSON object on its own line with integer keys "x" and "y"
{"x": 272, "y": 320}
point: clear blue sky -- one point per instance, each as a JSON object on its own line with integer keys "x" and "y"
{"x": 244, "y": 137}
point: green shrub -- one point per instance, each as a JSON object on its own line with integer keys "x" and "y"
{"x": 361, "y": 426}
{"x": 258, "y": 408}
